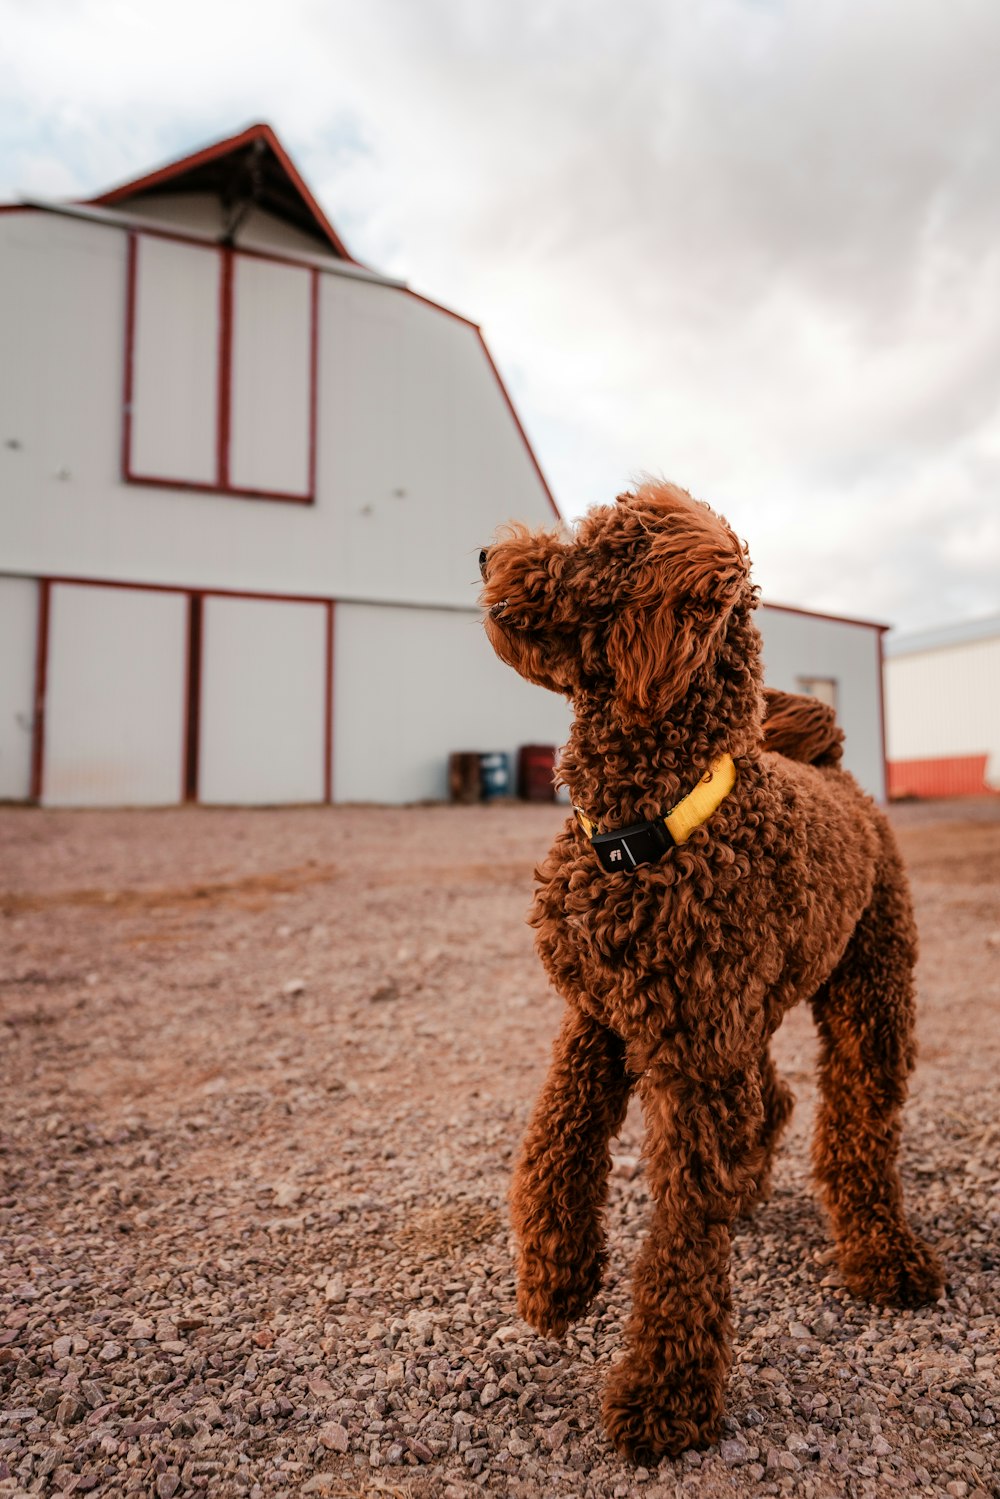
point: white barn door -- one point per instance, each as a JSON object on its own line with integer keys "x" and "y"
{"x": 115, "y": 702}
{"x": 263, "y": 702}
{"x": 272, "y": 378}
{"x": 175, "y": 360}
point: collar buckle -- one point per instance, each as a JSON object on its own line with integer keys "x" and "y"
{"x": 629, "y": 848}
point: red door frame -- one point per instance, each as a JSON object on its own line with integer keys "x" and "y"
{"x": 190, "y": 752}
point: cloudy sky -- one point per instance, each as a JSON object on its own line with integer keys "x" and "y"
{"x": 752, "y": 245}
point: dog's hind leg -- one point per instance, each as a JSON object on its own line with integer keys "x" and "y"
{"x": 865, "y": 1017}
{"x": 561, "y": 1180}
{"x": 702, "y": 1149}
{"x": 778, "y": 1102}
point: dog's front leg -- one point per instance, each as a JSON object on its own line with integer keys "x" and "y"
{"x": 667, "y": 1394}
{"x": 560, "y": 1184}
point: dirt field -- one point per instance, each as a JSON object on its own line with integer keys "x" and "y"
{"x": 263, "y": 1075}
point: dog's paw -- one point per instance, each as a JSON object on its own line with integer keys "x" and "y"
{"x": 647, "y": 1419}
{"x": 755, "y": 1197}
{"x": 550, "y": 1301}
{"x": 908, "y": 1274}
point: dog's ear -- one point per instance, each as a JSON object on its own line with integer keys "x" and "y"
{"x": 677, "y": 599}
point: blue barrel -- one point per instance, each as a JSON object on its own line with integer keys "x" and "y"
{"x": 494, "y": 774}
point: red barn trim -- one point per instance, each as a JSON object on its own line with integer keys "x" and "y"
{"x": 41, "y": 687}
{"x": 328, "y": 716}
{"x": 191, "y": 748}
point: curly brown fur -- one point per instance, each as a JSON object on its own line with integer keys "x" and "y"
{"x": 801, "y": 728}
{"x": 676, "y": 976}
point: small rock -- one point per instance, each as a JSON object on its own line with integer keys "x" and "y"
{"x": 420, "y": 1450}
{"x": 508, "y": 1334}
{"x": 110, "y": 1352}
{"x": 556, "y": 1435}
{"x": 141, "y": 1329}
{"x": 212, "y": 1411}
{"x": 958, "y": 1488}
{"x": 287, "y": 1194}
{"x": 488, "y": 1394}
{"x": 334, "y": 1436}
{"x": 384, "y": 993}
{"x": 799, "y": 1330}
{"x": 334, "y": 1289}
{"x": 167, "y": 1484}
{"x": 62, "y": 1347}
{"x": 68, "y": 1411}
{"x": 733, "y": 1450}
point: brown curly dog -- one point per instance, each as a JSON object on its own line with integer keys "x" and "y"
{"x": 678, "y": 952}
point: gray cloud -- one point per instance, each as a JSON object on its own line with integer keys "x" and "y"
{"x": 748, "y": 244}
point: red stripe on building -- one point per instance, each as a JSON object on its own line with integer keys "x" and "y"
{"x": 948, "y": 775}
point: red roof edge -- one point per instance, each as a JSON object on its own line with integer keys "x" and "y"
{"x": 840, "y": 619}
{"x": 212, "y": 152}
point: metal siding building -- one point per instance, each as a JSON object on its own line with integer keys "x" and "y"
{"x": 243, "y": 485}
{"x": 943, "y": 708}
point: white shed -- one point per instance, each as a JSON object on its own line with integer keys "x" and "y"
{"x": 942, "y": 691}
{"x": 243, "y": 485}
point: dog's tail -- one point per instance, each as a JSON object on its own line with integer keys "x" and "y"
{"x": 801, "y": 728}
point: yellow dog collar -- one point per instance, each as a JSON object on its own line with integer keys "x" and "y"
{"x": 625, "y": 849}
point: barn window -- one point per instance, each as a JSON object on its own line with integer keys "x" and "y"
{"x": 220, "y": 380}
{"x": 825, "y": 688}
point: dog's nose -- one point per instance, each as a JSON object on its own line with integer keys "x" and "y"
{"x": 482, "y": 561}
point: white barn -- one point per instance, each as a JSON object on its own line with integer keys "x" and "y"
{"x": 243, "y": 485}
{"x": 942, "y": 690}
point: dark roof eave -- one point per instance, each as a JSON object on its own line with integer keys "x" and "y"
{"x": 311, "y": 217}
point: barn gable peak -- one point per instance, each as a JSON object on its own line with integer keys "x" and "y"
{"x": 248, "y": 170}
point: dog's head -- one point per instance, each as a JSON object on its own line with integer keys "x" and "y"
{"x": 633, "y": 606}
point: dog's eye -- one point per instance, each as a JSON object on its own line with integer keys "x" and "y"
{"x": 482, "y": 561}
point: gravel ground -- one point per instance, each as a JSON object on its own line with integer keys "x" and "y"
{"x": 263, "y": 1075}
